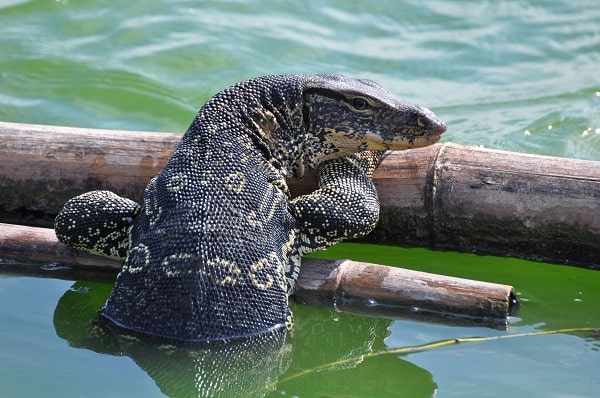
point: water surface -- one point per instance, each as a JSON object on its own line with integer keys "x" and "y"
{"x": 516, "y": 75}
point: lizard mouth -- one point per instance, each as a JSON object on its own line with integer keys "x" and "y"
{"x": 441, "y": 129}
{"x": 437, "y": 133}
{"x": 436, "y": 127}
{"x": 375, "y": 143}
{"x": 430, "y": 123}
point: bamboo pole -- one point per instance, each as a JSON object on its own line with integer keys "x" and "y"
{"x": 42, "y": 166}
{"x": 444, "y": 196}
{"x": 37, "y": 252}
{"x": 483, "y": 200}
{"x": 345, "y": 285}
{"x": 369, "y": 289}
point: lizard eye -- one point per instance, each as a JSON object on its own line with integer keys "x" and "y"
{"x": 360, "y": 104}
{"x": 422, "y": 121}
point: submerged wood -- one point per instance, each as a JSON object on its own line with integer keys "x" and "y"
{"x": 444, "y": 196}
{"x": 345, "y": 285}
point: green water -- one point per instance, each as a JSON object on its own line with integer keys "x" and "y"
{"x": 514, "y": 75}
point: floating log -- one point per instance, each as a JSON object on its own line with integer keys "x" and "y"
{"x": 373, "y": 289}
{"x": 445, "y": 196}
{"x": 345, "y": 285}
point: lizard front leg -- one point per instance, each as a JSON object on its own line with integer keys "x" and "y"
{"x": 344, "y": 206}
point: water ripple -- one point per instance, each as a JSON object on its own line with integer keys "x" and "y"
{"x": 492, "y": 73}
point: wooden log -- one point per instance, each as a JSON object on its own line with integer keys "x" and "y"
{"x": 42, "y": 166}
{"x": 369, "y": 289}
{"x": 482, "y": 200}
{"x": 37, "y": 252}
{"x": 443, "y": 196}
{"x": 345, "y": 285}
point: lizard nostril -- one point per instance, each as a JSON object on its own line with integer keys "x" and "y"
{"x": 422, "y": 121}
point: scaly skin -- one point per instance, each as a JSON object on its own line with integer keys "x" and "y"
{"x": 215, "y": 250}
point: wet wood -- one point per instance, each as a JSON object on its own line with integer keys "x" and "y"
{"x": 443, "y": 196}
{"x": 367, "y": 288}
{"x": 42, "y": 166}
{"x": 28, "y": 247}
{"x": 345, "y": 285}
{"x": 489, "y": 201}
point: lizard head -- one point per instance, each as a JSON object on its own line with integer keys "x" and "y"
{"x": 349, "y": 115}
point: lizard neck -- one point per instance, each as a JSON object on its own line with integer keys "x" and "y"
{"x": 271, "y": 112}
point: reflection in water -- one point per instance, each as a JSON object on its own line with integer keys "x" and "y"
{"x": 248, "y": 367}
{"x": 329, "y": 358}
{"x": 251, "y": 367}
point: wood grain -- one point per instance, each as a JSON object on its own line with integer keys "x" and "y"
{"x": 344, "y": 285}
{"x": 444, "y": 196}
